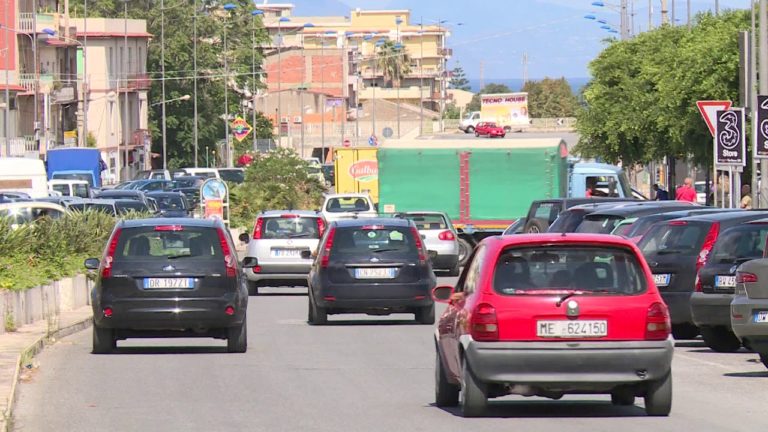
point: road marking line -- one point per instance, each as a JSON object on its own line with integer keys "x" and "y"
{"x": 721, "y": 366}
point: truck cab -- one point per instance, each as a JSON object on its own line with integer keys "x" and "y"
{"x": 74, "y": 188}
{"x": 470, "y": 121}
{"x": 591, "y": 180}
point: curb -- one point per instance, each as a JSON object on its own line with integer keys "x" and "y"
{"x": 31, "y": 351}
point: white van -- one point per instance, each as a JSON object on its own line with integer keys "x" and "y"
{"x": 23, "y": 175}
{"x": 202, "y": 172}
{"x": 77, "y": 188}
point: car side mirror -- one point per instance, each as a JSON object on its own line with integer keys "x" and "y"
{"x": 442, "y": 293}
{"x": 244, "y": 237}
{"x": 92, "y": 263}
{"x": 250, "y": 262}
{"x": 306, "y": 254}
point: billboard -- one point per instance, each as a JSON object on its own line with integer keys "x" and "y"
{"x": 506, "y": 109}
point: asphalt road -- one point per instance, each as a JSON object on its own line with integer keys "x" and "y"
{"x": 357, "y": 374}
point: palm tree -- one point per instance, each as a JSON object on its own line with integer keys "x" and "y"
{"x": 394, "y": 62}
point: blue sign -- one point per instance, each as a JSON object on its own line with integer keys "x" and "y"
{"x": 373, "y": 141}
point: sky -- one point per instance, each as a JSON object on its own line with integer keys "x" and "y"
{"x": 557, "y": 38}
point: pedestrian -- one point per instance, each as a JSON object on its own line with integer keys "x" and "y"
{"x": 659, "y": 193}
{"x": 686, "y": 192}
{"x": 746, "y": 197}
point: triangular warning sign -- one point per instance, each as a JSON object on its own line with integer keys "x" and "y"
{"x": 709, "y": 109}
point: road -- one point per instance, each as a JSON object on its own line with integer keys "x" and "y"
{"x": 357, "y": 374}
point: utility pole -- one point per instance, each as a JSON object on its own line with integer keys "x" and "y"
{"x": 650, "y": 15}
{"x": 482, "y": 78}
{"x": 625, "y": 19}
{"x": 525, "y": 68}
{"x": 162, "y": 82}
{"x": 763, "y": 73}
{"x": 717, "y": 7}
{"x": 664, "y": 13}
{"x": 674, "y": 20}
{"x": 194, "y": 67}
{"x": 758, "y": 202}
{"x": 690, "y": 24}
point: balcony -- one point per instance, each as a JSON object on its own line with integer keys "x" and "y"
{"x": 44, "y": 20}
{"x": 139, "y": 82}
{"x": 20, "y": 147}
{"x": 446, "y": 52}
{"x": 392, "y": 93}
{"x": 44, "y": 82}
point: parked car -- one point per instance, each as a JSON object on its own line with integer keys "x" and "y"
{"x": 676, "y": 250}
{"x": 278, "y": 241}
{"x": 552, "y": 314}
{"x": 440, "y": 239}
{"x": 114, "y": 207}
{"x": 150, "y": 185}
{"x": 12, "y": 196}
{"x": 375, "y": 266}
{"x": 64, "y": 201}
{"x": 489, "y": 129}
{"x": 22, "y": 212}
{"x": 155, "y": 174}
{"x": 171, "y": 204}
{"x": 78, "y": 188}
{"x": 342, "y": 206}
{"x": 569, "y": 220}
{"x": 127, "y": 194}
{"x": 604, "y": 221}
{"x": 200, "y": 172}
{"x": 188, "y": 182}
{"x": 716, "y": 283}
{"x": 543, "y": 213}
{"x": 151, "y": 267}
{"x": 234, "y": 175}
{"x": 749, "y": 308}
{"x": 637, "y": 228}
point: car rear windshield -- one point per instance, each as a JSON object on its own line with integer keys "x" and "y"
{"x": 392, "y": 241}
{"x": 428, "y": 221}
{"x": 740, "y": 244}
{"x": 170, "y": 202}
{"x": 147, "y": 242}
{"x": 341, "y": 205}
{"x": 592, "y": 269}
{"x": 674, "y": 238}
{"x": 642, "y": 225}
{"x": 623, "y": 229}
{"x": 187, "y": 182}
{"x": 567, "y": 221}
{"x": 126, "y": 207}
{"x": 598, "y": 224}
{"x": 290, "y": 228}
{"x": 235, "y": 176}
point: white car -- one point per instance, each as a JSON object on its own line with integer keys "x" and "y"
{"x": 349, "y": 205}
{"x": 440, "y": 238}
{"x": 23, "y": 212}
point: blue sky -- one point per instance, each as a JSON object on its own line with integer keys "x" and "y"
{"x": 554, "y": 33}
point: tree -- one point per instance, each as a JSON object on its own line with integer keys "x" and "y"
{"x": 550, "y": 98}
{"x": 393, "y": 61}
{"x": 459, "y": 79}
{"x": 474, "y": 104}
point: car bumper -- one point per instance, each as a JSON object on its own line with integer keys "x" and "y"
{"x": 445, "y": 262}
{"x": 743, "y": 322}
{"x": 711, "y": 309}
{"x": 570, "y": 366}
{"x": 371, "y": 296}
{"x": 278, "y": 272}
{"x": 679, "y": 304}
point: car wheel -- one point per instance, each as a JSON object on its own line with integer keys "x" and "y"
{"x": 720, "y": 339}
{"x": 317, "y": 314}
{"x": 465, "y": 250}
{"x": 473, "y": 399}
{"x": 446, "y": 394}
{"x": 103, "y": 340}
{"x": 658, "y": 398}
{"x": 237, "y": 338}
{"x": 253, "y": 288}
{"x": 503, "y": 135}
{"x": 764, "y": 359}
{"x": 684, "y": 331}
{"x": 623, "y": 398}
{"x": 536, "y": 226}
{"x": 470, "y": 129}
{"x": 477, "y": 135}
{"x": 455, "y": 271}
{"x": 426, "y": 314}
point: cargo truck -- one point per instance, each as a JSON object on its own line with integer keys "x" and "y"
{"x": 75, "y": 163}
{"x": 507, "y": 110}
{"x": 357, "y": 171}
{"x": 484, "y": 186}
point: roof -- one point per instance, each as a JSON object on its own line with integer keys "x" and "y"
{"x": 642, "y": 208}
{"x": 137, "y": 223}
{"x": 20, "y": 164}
{"x": 164, "y": 194}
{"x": 572, "y": 202}
{"x": 272, "y": 213}
{"x": 117, "y": 192}
{"x": 595, "y": 168}
{"x": 24, "y": 204}
{"x": 347, "y": 195}
{"x": 116, "y": 34}
{"x": 359, "y": 222}
{"x": 60, "y": 181}
{"x": 560, "y": 238}
{"x": 475, "y": 144}
{"x": 726, "y": 216}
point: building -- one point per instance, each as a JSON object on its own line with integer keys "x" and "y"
{"x": 44, "y": 57}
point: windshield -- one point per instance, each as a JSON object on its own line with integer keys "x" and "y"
{"x": 290, "y": 227}
{"x": 568, "y": 221}
{"x": 355, "y": 241}
{"x": 598, "y": 224}
{"x": 28, "y": 214}
{"x": 73, "y": 176}
{"x": 676, "y": 237}
{"x": 740, "y": 244}
{"x": 129, "y": 206}
{"x": 187, "y": 182}
{"x": 62, "y": 189}
{"x": 81, "y": 190}
{"x": 341, "y": 205}
{"x": 235, "y": 176}
{"x": 170, "y": 202}
{"x": 600, "y": 270}
{"x": 428, "y": 221}
{"x": 147, "y": 243}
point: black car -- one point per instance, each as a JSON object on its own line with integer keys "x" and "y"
{"x": 188, "y": 182}
{"x": 568, "y": 220}
{"x": 605, "y": 221}
{"x": 716, "y": 283}
{"x": 151, "y": 185}
{"x": 172, "y": 204}
{"x": 373, "y": 266}
{"x": 329, "y": 173}
{"x": 123, "y": 194}
{"x": 676, "y": 250}
{"x": 543, "y": 213}
{"x": 169, "y": 278}
{"x": 641, "y": 226}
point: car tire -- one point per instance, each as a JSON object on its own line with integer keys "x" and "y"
{"x": 237, "y": 338}
{"x": 253, "y": 288}
{"x": 426, "y": 314}
{"x": 658, "y": 397}
{"x": 623, "y": 398}
{"x": 317, "y": 315}
{"x": 465, "y": 250}
{"x": 473, "y": 399}
{"x": 536, "y": 226}
{"x": 720, "y": 339}
{"x": 503, "y": 135}
{"x": 764, "y": 359}
{"x": 470, "y": 129}
{"x": 477, "y": 135}
{"x": 455, "y": 271}
{"x": 684, "y": 331}
{"x": 446, "y": 394}
{"x": 103, "y": 340}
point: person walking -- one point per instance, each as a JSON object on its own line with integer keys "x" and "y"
{"x": 686, "y": 192}
{"x": 746, "y": 197}
{"x": 659, "y": 193}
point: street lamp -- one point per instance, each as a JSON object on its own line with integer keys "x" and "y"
{"x": 181, "y": 98}
{"x": 125, "y": 97}
{"x": 622, "y": 9}
{"x": 254, "y": 14}
{"x": 377, "y": 45}
{"x": 322, "y": 93}
{"x": 227, "y": 7}
{"x": 303, "y": 86}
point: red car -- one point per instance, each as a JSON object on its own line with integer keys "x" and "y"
{"x": 554, "y": 314}
{"x": 490, "y": 129}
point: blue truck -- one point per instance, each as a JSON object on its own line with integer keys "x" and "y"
{"x": 75, "y": 163}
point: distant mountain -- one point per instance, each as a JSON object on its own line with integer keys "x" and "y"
{"x": 516, "y": 84}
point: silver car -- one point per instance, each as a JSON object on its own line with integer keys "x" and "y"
{"x": 749, "y": 307}
{"x": 279, "y": 240}
{"x": 440, "y": 239}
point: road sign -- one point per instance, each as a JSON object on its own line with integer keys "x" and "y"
{"x": 730, "y": 137}
{"x": 761, "y": 149}
{"x": 708, "y": 109}
{"x": 373, "y": 141}
{"x": 387, "y": 132}
{"x": 240, "y": 128}
{"x": 334, "y": 102}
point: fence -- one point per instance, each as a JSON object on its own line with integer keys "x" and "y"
{"x": 23, "y": 146}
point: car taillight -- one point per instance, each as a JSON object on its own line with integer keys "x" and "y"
{"x": 744, "y": 277}
{"x": 289, "y": 216}
{"x": 257, "y": 228}
{"x": 446, "y": 235}
{"x": 657, "y": 324}
{"x": 109, "y": 256}
{"x": 229, "y": 259}
{"x": 483, "y": 324}
{"x": 169, "y": 228}
{"x": 697, "y": 284}
{"x": 327, "y": 248}
{"x": 320, "y": 227}
{"x": 709, "y": 241}
{"x": 419, "y": 244}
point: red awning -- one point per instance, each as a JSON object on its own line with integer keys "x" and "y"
{"x": 59, "y": 42}
{"x": 12, "y": 87}
{"x": 116, "y": 34}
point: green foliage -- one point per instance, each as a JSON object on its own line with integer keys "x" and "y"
{"x": 393, "y": 62}
{"x": 263, "y": 129}
{"x": 274, "y": 181}
{"x": 90, "y": 140}
{"x": 550, "y": 98}
{"x": 474, "y": 104}
{"x": 641, "y": 102}
{"x": 459, "y": 79}
{"x": 451, "y": 112}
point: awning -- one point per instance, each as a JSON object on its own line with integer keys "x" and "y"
{"x": 59, "y": 42}
{"x": 12, "y": 87}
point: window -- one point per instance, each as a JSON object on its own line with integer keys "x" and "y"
{"x": 428, "y": 221}
{"x": 131, "y": 206}
{"x": 145, "y": 243}
{"x": 680, "y": 238}
{"x": 289, "y": 228}
{"x": 598, "y": 224}
{"x": 741, "y": 244}
{"x": 129, "y": 66}
{"x": 341, "y": 205}
{"x": 543, "y": 211}
{"x": 171, "y": 202}
{"x": 474, "y": 270}
{"x": 355, "y": 241}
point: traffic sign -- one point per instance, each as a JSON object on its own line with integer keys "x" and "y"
{"x": 240, "y": 129}
{"x": 373, "y": 141}
{"x": 730, "y": 137}
{"x": 708, "y": 108}
{"x": 761, "y": 149}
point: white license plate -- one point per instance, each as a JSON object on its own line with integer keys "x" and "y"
{"x": 572, "y": 329}
{"x": 168, "y": 283}
{"x": 761, "y": 317}
{"x": 286, "y": 253}
{"x": 725, "y": 281}
{"x": 661, "y": 279}
{"x": 375, "y": 273}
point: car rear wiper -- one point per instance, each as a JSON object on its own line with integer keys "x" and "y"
{"x": 299, "y": 235}
{"x": 670, "y": 251}
{"x": 386, "y": 250}
{"x": 584, "y": 292}
{"x": 178, "y": 256}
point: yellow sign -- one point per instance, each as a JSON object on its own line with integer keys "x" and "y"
{"x": 240, "y": 129}
{"x": 214, "y": 208}
{"x": 70, "y": 134}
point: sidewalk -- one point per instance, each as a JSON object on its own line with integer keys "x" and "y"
{"x": 17, "y": 350}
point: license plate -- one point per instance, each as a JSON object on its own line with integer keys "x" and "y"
{"x": 571, "y": 329}
{"x": 761, "y": 317}
{"x": 286, "y": 253}
{"x": 725, "y": 281}
{"x": 374, "y": 273}
{"x": 168, "y": 283}
{"x": 661, "y": 279}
